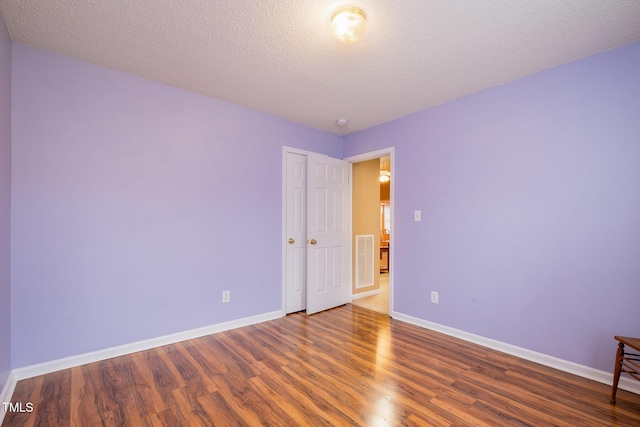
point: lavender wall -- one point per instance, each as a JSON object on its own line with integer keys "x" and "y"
{"x": 530, "y": 199}
{"x": 135, "y": 205}
{"x": 5, "y": 203}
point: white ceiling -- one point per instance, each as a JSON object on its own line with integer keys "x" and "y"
{"x": 278, "y": 57}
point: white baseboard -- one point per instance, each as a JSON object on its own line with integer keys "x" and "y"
{"x": 108, "y": 353}
{"x": 365, "y": 294}
{"x": 7, "y": 392}
{"x": 604, "y": 377}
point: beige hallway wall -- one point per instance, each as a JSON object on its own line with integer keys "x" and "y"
{"x": 366, "y": 212}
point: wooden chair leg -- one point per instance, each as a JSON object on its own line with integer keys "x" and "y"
{"x": 617, "y": 371}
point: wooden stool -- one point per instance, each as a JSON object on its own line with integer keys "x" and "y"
{"x": 626, "y": 362}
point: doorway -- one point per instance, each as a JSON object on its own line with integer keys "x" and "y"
{"x": 301, "y": 268}
{"x": 373, "y": 215}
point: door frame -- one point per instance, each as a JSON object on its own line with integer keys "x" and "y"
{"x": 389, "y": 151}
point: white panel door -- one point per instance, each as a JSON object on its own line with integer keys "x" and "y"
{"x": 296, "y": 232}
{"x": 328, "y": 237}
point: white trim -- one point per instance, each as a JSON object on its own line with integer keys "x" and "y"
{"x": 391, "y": 152}
{"x": 365, "y": 294}
{"x": 533, "y": 356}
{"x": 350, "y": 229}
{"x": 370, "y": 155}
{"x": 286, "y": 149}
{"x": 7, "y": 393}
{"x": 108, "y": 353}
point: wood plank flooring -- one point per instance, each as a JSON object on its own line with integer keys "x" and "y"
{"x": 344, "y": 367}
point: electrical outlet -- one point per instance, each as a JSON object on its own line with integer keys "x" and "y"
{"x": 434, "y": 297}
{"x": 226, "y": 296}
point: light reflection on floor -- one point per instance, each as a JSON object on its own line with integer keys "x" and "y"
{"x": 385, "y": 410}
{"x": 385, "y": 414}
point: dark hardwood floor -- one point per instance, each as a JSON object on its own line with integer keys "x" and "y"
{"x": 346, "y": 366}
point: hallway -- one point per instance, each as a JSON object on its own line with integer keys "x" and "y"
{"x": 380, "y": 302}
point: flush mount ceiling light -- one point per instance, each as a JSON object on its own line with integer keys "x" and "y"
{"x": 385, "y": 176}
{"x": 347, "y": 24}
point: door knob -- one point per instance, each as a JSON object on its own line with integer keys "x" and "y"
{"x": 313, "y": 241}
{"x": 291, "y": 241}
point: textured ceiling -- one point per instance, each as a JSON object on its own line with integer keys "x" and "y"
{"x": 278, "y": 56}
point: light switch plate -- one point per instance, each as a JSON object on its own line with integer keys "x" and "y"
{"x": 417, "y": 215}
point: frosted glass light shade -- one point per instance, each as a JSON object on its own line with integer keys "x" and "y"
{"x": 348, "y": 24}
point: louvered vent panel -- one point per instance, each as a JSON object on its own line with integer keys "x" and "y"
{"x": 364, "y": 260}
